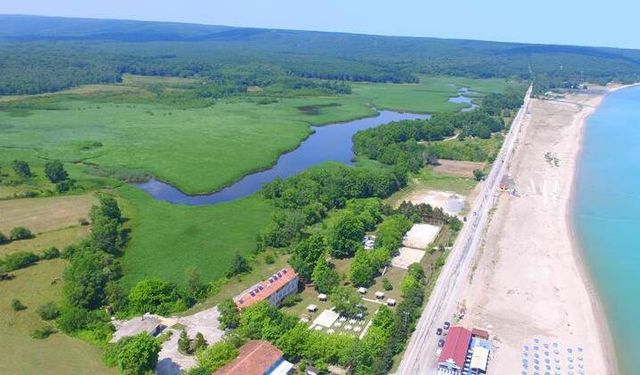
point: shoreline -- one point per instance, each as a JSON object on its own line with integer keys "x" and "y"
{"x": 531, "y": 258}
{"x": 599, "y": 311}
{"x": 597, "y": 307}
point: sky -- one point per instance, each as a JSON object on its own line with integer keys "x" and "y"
{"x": 610, "y": 23}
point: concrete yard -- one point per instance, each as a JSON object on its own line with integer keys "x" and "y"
{"x": 406, "y": 257}
{"x": 420, "y": 236}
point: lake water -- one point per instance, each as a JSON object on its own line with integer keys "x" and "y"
{"x": 607, "y": 216}
{"x": 327, "y": 143}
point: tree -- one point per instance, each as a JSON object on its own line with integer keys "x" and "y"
{"x": 184, "y": 344}
{"x": 238, "y": 266}
{"x": 87, "y": 276}
{"x": 20, "y": 233}
{"x": 21, "y": 168}
{"x": 217, "y": 355}
{"x": 138, "y": 355}
{"x": 346, "y": 235}
{"x": 305, "y": 255}
{"x": 193, "y": 286}
{"x": 155, "y": 296}
{"x": 346, "y": 301}
{"x": 362, "y": 269}
{"x": 107, "y": 207}
{"x": 325, "y": 276}
{"x": 55, "y": 171}
{"x": 294, "y": 341}
{"x": 229, "y": 317}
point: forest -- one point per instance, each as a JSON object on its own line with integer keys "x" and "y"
{"x": 40, "y": 54}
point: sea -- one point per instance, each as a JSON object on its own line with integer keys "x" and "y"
{"x": 606, "y": 216}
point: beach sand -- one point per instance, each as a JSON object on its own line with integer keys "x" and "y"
{"x": 529, "y": 280}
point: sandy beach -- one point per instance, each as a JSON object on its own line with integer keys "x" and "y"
{"x": 529, "y": 286}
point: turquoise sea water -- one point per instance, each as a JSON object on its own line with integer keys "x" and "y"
{"x": 607, "y": 216}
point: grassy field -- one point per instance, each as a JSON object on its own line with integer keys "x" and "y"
{"x": 58, "y": 354}
{"x": 44, "y": 214}
{"x": 430, "y": 95}
{"x": 168, "y": 239}
{"x": 137, "y": 126}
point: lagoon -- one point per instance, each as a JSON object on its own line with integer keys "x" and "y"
{"x": 327, "y": 143}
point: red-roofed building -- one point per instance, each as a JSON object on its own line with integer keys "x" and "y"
{"x": 455, "y": 350}
{"x": 274, "y": 289}
{"x": 257, "y": 357}
{"x": 480, "y": 333}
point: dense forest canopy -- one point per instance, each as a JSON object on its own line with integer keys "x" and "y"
{"x": 44, "y": 54}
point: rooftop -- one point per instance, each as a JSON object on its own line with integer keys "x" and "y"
{"x": 264, "y": 289}
{"x": 456, "y": 346}
{"x": 256, "y": 358}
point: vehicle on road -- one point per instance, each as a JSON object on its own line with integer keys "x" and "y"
{"x": 447, "y": 325}
{"x": 439, "y": 331}
{"x": 440, "y": 343}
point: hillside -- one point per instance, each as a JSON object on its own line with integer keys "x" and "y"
{"x": 100, "y": 51}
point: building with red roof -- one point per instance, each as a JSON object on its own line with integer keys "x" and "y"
{"x": 274, "y": 289}
{"x": 455, "y": 350}
{"x": 257, "y": 357}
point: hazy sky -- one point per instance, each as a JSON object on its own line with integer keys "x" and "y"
{"x": 582, "y": 22}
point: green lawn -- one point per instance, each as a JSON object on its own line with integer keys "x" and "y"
{"x": 58, "y": 354}
{"x": 168, "y": 239}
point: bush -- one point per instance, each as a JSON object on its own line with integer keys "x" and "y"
{"x": 50, "y": 253}
{"x": 73, "y": 319}
{"x": 83, "y": 221}
{"x": 20, "y": 233}
{"x": 16, "y": 305}
{"x": 43, "y": 332}
{"x": 269, "y": 259}
{"x": 55, "y": 171}
{"x": 136, "y": 355}
{"x": 386, "y": 284}
{"x": 18, "y": 260}
{"x": 155, "y": 296}
{"x": 291, "y": 300}
{"x": 3, "y": 239}
{"x": 239, "y": 266}
{"x": 48, "y": 311}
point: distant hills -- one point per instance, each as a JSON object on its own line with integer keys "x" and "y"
{"x": 92, "y": 50}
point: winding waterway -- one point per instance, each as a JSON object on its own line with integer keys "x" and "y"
{"x": 327, "y": 143}
{"x": 607, "y": 216}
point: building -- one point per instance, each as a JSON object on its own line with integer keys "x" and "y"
{"x": 476, "y": 332}
{"x": 454, "y": 353}
{"x": 274, "y": 289}
{"x": 257, "y": 357}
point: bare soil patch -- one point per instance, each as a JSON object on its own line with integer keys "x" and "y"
{"x": 458, "y": 168}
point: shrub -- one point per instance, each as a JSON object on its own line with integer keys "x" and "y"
{"x": 55, "y": 171}
{"x": 73, "y": 319}
{"x": 16, "y": 305}
{"x": 239, "y": 266}
{"x": 43, "y": 332}
{"x": 155, "y": 296}
{"x": 83, "y": 221}
{"x": 269, "y": 259}
{"x": 3, "y": 239}
{"x": 136, "y": 355}
{"x": 199, "y": 343}
{"x": 184, "y": 344}
{"x": 386, "y": 284}
{"x": 50, "y": 253}
{"x": 291, "y": 300}
{"x": 48, "y": 311}
{"x": 20, "y": 233}
{"x": 18, "y": 260}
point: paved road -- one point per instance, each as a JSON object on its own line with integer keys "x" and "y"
{"x": 420, "y": 357}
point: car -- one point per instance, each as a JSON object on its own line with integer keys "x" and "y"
{"x": 440, "y": 343}
{"x": 447, "y": 325}
{"x": 439, "y": 331}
